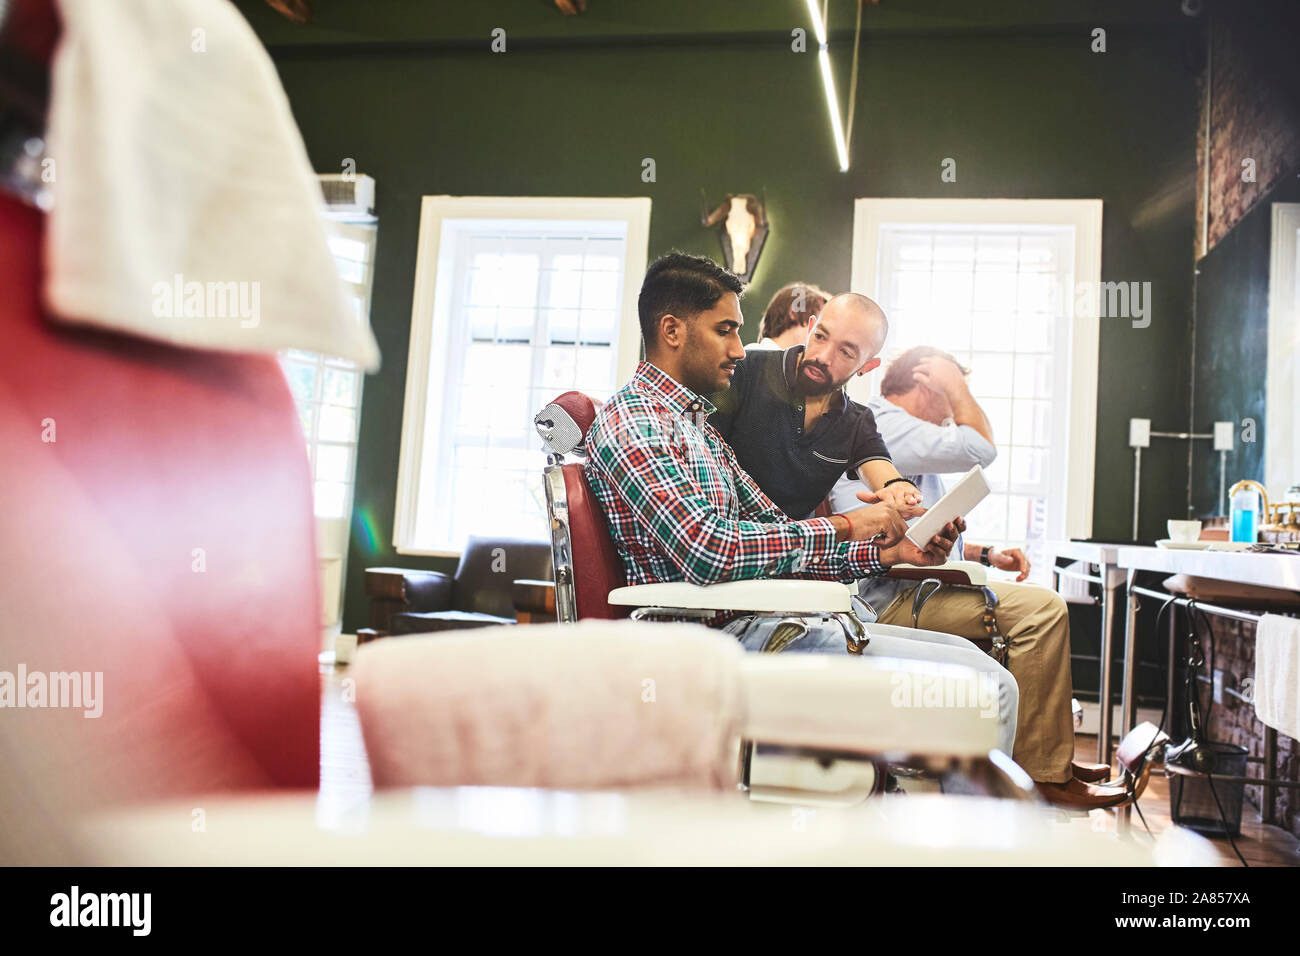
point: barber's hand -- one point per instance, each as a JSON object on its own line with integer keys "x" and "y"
{"x": 880, "y": 521}
{"x": 940, "y": 375}
{"x": 905, "y": 499}
{"x": 935, "y": 552}
{"x": 1010, "y": 559}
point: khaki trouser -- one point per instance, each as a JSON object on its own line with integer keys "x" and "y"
{"x": 1036, "y": 625}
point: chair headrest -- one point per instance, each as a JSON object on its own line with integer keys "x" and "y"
{"x": 563, "y": 424}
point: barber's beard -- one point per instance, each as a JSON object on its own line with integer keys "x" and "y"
{"x": 810, "y": 389}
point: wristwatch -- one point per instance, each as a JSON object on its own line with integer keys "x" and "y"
{"x": 984, "y": 555}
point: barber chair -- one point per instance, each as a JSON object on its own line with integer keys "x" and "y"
{"x": 158, "y": 531}
{"x": 590, "y": 582}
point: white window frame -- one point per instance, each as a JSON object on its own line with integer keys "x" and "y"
{"x": 1084, "y": 215}
{"x": 1282, "y": 423}
{"x": 431, "y": 318}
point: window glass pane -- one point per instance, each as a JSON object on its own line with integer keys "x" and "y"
{"x": 1027, "y": 466}
{"x": 1035, "y": 293}
{"x": 484, "y": 287}
{"x": 1033, "y": 376}
{"x": 1034, "y": 332}
{"x": 998, "y": 411}
{"x": 595, "y": 368}
{"x": 474, "y": 409}
{"x": 333, "y": 463}
{"x": 515, "y": 324}
{"x": 337, "y": 424}
{"x": 1032, "y": 422}
{"x": 513, "y": 367}
{"x": 604, "y": 255}
{"x": 340, "y": 387}
{"x": 350, "y": 271}
{"x": 482, "y": 323}
{"x": 997, "y": 254}
{"x": 952, "y": 293}
{"x": 1018, "y": 513}
{"x": 561, "y": 325}
{"x": 911, "y": 290}
{"x": 600, "y": 290}
{"x": 562, "y": 288}
{"x": 518, "y": 280}
{"x": 331, "y": 499}
{"x": 598, "y": 327}
{"x": 345, "y": 248}
{"x": 994, "y": 291}
{"x": 302, "y": 381}
{"x": 991, "y": 374}
{"x": 560, "y": 368}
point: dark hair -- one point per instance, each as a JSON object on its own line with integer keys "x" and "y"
{"x": 781, "y": 313}
{"x": 898, "y": 377}
{"x": 681, "y": 285}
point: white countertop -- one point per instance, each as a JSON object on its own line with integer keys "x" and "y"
{"x": 1265, "y": 570}
{"x": 505, "y": 826}
{"x": 1096, "y": 552}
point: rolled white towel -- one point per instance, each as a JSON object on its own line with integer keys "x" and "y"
{"x": 594, "y": 705}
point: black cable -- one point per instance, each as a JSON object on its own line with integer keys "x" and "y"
{"x": 1204, "y": 720}
{"x": 1209, "y": 711}
{"x": 1209, "y": 777}
{"x": 1132, "y": 784}
{"x": 1142, "y": 817}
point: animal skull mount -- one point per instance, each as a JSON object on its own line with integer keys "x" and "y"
{"x": 741, "y": 221}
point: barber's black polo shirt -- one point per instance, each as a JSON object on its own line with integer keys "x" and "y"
{"x": 761, "y": 417}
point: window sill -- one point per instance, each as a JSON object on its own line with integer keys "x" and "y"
{"x": 428, "y": 552}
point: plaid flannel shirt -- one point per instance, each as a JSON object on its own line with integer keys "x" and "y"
{"x": 680, "y": 507}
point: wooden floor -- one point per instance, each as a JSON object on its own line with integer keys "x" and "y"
{"x": 345, "y": 781}
{"x": 1259, "y": 844}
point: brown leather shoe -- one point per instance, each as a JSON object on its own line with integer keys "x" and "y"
{"x": 1074, "y": 794}
{"x": 1091, "y": 772}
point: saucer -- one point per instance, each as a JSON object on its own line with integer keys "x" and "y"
{"x": 1170, "y": 545}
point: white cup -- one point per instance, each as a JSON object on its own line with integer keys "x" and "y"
{"x": 345, "y": 646}
{"x": 1184, "y": 530}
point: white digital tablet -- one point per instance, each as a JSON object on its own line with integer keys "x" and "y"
{"x": 957, "y": 503}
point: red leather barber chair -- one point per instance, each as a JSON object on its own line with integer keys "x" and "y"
{"x": 157, "y": 527}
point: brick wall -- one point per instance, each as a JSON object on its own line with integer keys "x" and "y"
{"x": 1233, "y": 721}
{"x": 1251, "y": 87}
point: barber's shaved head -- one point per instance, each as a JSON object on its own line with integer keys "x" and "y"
{"x": 844, "y": 341}
{"x": 866, "y": 310}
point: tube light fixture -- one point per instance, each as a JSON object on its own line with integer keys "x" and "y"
{"x": 828, "y": 83}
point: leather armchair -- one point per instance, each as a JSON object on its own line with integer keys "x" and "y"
{"x": 481, "y": 593}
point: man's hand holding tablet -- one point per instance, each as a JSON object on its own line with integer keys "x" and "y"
{"x": 957, "y": 503}
{"x": 936, "y": 550}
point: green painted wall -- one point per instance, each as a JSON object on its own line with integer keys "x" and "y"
{"x": 1029, "y": 114}
{"x": 1232, "y": 347}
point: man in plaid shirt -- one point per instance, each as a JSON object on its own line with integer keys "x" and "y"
{"x": 680, "y": 508}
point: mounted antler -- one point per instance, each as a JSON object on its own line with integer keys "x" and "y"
{"x": 295, "y": 11}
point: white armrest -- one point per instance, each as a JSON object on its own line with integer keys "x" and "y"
{"x": 872, "y": 705}
{"x": 950, "y": 572}
{"x": 766, "y": 595}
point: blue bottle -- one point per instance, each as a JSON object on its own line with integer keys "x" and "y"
{"x": 1245, "y": 515}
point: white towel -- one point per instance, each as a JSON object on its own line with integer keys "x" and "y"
{"x": 1277, "y": 673}
{"x": 185, "y": 208}
{"x": 587, "y": 705}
